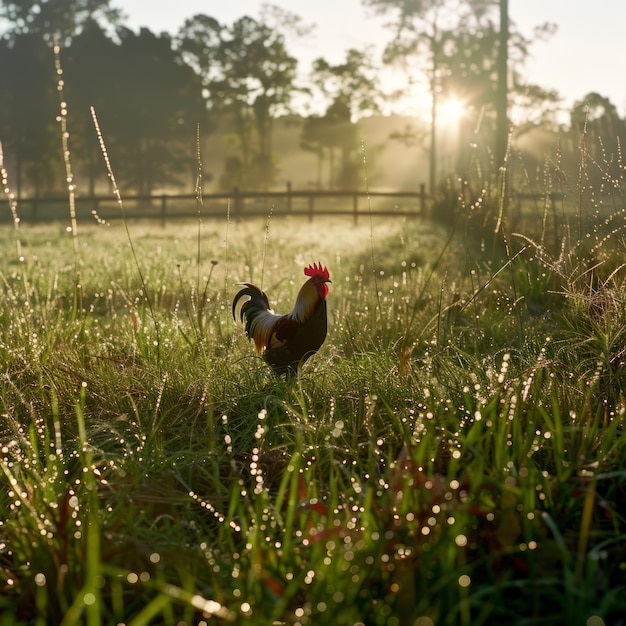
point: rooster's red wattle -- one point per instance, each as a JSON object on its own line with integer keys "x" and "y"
{"x": 286, "y": 341}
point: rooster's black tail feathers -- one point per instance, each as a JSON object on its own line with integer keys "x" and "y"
{"x": 248, "y": 303}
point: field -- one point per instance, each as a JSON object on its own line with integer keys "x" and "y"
{"x": 454, "y": 454}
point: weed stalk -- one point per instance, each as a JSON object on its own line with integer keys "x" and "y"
{"x": 69, "y": 178}
{"x": 120, "y": 203}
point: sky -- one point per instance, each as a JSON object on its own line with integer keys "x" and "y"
{"x": 585, "y": 54}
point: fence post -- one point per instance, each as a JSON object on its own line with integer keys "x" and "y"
{"x": 355, "y": 207}
{"x": 422, "y": 199}
{"x": 288, "y": 196}
{"x": 236, "y": 203}
{"x": 163, "y": 209}
{"x": 553, "y": 199}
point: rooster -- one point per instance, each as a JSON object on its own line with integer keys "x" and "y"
{"x": 286, "y": 341}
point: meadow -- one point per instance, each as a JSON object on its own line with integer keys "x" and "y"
{"x": 454, "y": 454}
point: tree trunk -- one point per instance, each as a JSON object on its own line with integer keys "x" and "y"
{"x": 433, "y": 134}
{"x": 434, "y": 86}
{"x": 502, "y": 123}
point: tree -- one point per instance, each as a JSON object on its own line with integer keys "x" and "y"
{"x": 470, "y": 73}
{"x": 313, "y": 139}
{"x": 249, "y": 78}
{"x": 155, "y": 105}
{"x": 600, "y": 133}
{"x": 501, "y": 100}
{"x": 58, "y": 18}
{"x": 148, "y": 103}
{"x": 350, "y": 90}
{"x": 461, "y": 41}
{"x": 29, "y": 102}
{"x": 417, "y": 35}
{"x": 354, "y": 82}
{"x": 333, "y": 135}
{"x": 28, "y": 108}
{"x": 90, "y": 65}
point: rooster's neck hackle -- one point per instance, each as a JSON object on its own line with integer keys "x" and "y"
{"x": 310, "y": 294}
{"x": 306, "y": 302}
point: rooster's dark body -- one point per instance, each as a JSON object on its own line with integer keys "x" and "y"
{"x": 286, "y": 341}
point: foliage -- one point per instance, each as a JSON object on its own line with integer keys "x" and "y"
{"x": 330, "y": 135}
{"x": 468, "y": 58}
{"x": 454, "y": 45}
{"x": 350, "y": 91}
{"x": 28, "y": 104}
{"x": 249, "y": 75}
{"x": 598, "y": 128}
{"x": 151, "y": 128}
{"x": 62, "y": 19}
{"x": 246, "y": 77}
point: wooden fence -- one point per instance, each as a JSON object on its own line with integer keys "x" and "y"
{"x": 239, "y": 204}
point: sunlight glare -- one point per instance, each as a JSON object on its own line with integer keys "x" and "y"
{"x": 451, "y": 111}
{"x": 405, "y": 96}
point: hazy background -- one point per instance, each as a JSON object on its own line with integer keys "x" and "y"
{"x": 585, "y": 54}
{"x": 305, "y": 93}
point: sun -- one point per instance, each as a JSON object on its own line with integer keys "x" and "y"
{"x": 451, "y": 111}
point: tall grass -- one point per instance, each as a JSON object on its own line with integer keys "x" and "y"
{"x": 453, "y": 455}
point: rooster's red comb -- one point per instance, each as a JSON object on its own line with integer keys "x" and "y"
{"x": 315, "y": 269}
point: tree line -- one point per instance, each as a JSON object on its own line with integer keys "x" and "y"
{"x": 154, "y": 92}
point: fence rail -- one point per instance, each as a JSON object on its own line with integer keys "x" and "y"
{"x": 239, "y": 204}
